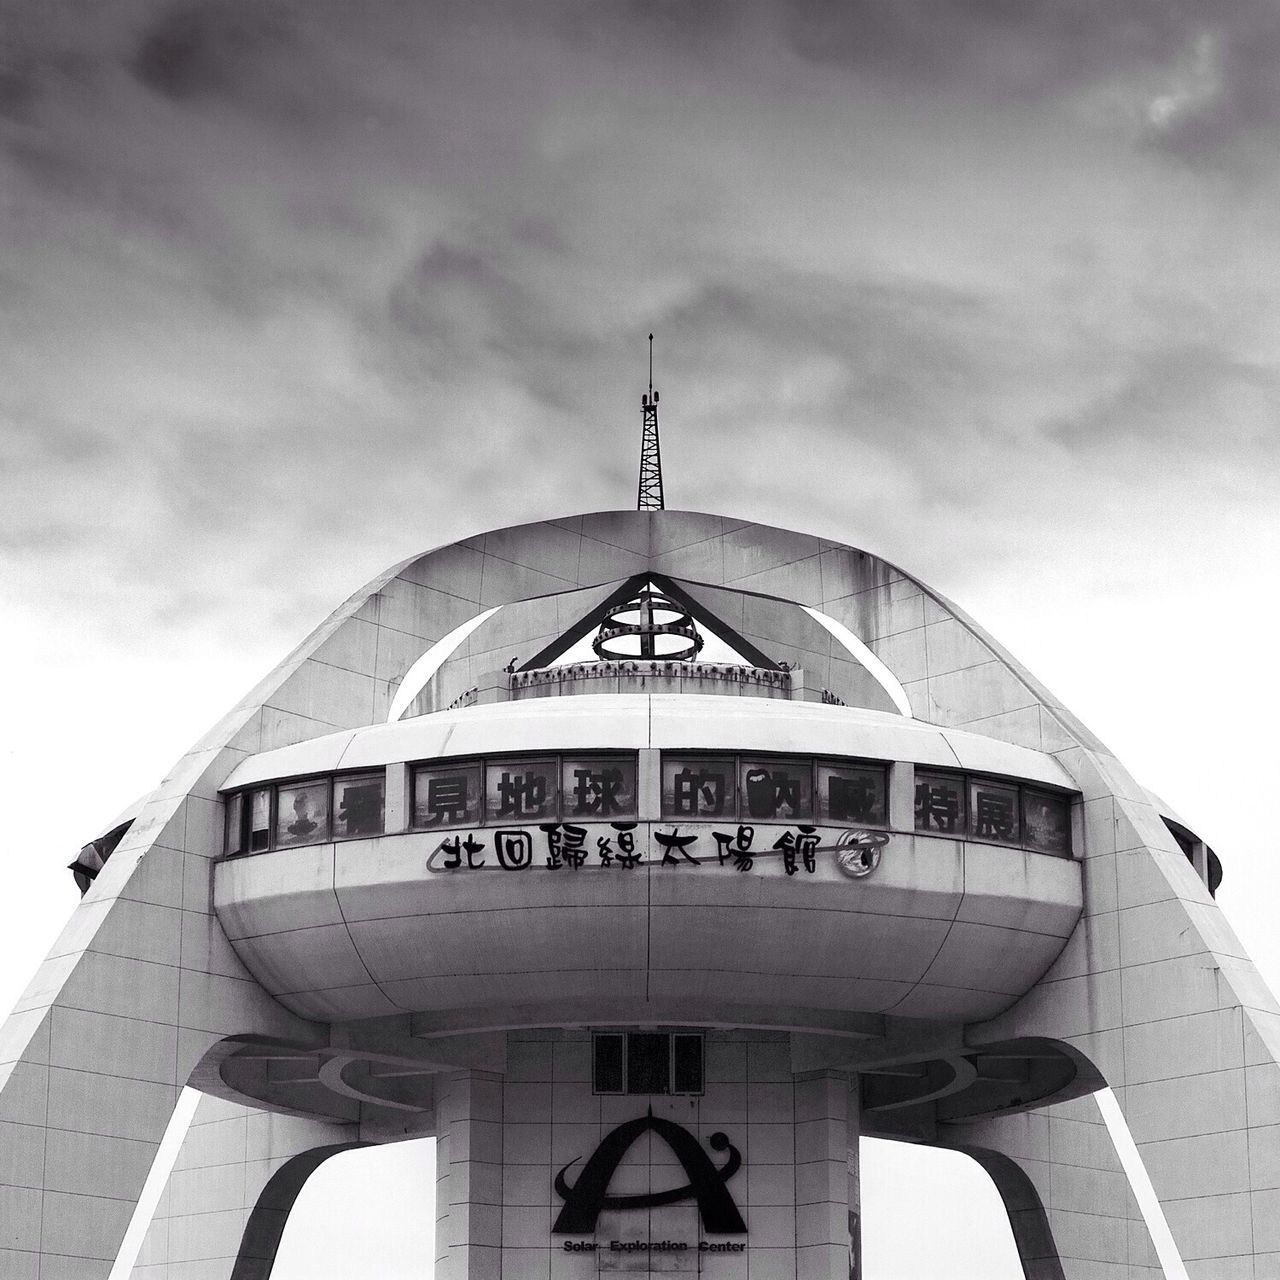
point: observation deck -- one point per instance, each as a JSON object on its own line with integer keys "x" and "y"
{"x": 650, "y": 857}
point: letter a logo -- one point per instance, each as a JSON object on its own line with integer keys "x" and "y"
{"x": 584, "y": 1200}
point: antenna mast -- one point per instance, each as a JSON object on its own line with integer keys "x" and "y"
{"x": 650, "y": 492}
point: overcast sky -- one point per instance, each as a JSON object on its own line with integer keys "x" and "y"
{"x": 290, "y": 291}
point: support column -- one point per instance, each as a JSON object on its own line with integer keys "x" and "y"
{"x": 1156, "y": 991}
{"x": 140, "y": 985}
{"x": 201, "y": 1226}
{"x": 826, "y": 1176}
{"x": 469, "y": 1177}
{"x": 854, "y": 1171}
{"x": 1070, "y": 1205}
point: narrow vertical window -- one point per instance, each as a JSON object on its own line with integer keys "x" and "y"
{"x": 606, "y": 1065}
{"x": 259, "y": 819}
{"x": 235, "y": 822}
{"x": 686, "y": 1063}
{"x": 648, "y": 1062}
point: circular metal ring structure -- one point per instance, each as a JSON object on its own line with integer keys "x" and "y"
{"x": 644, "y": 633}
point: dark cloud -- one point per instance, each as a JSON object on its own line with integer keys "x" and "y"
{"x": 991, "y": 47}
{"x": 650, "y": 31}
{"x": 1197, "y": 81}
{"x": 210, "y": 48}
{"x": 280, "y": 264}
{"x": 18, "y": 90}
{"x": 1225, "y": 98}
{"x": 470, "y": 312}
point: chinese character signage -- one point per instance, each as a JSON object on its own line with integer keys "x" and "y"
{"x": 849, "y": 793}
{"x": 939, "y": 803}
{"x": 790, "y": 850}
{"x": 516, "y": 789}
{"x": 699, "y": 787}
{"x": 446, "y": 797}
{"x": 776, "y": 789}
{"x": 993, "y": 811}
{"x": 599, "y": 786}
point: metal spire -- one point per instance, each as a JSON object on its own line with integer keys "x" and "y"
{"x": 650, "y": 492}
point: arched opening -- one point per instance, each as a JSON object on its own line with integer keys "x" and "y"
{"x": 932, "y": 1213}
{"x": 925, "y": 1212}
{"x": 366, "y": 1203}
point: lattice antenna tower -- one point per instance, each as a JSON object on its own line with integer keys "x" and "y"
{"x": 650, "y": 492}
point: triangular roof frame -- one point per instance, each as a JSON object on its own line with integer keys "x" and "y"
{"x": 632, "y": 587}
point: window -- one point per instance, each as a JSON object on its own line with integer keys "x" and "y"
{"x": 302, "y": 813}
{"x": 1046, "y": 822}
{"x": 686, "y": 1063}
{"x": 298, "y": 813}
{"x": 851, "y": 793}
{"x": 235, "y": 823}
{"x": 447, "y": 796}
{"x": 579, "y": 788}
{"x": 995, "y": 810}
{"x": 939, "y": 802}
{"x": 607, "y": 1072}
{"x": 598, "y": 787}
{"x": 698, "y": 787}
{"x": 762, "y": 788}
{"x": 358, "y": 805}
{"x": 259, "y": 819}
{"x": 776, "y": 790}
{"x": 522, "y": 790}
{"x": 647, "y": 1062}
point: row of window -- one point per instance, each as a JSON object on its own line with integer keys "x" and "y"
{"x": 647, "y": 1062}
{"x": 527, "y": 788}
{"x": 731, "y": 788}
{"x": 955, "y": 804}
{"x": 310, "y": 812}
{"x": 595, "y": 787}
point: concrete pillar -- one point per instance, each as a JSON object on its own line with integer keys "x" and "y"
{"x": 854, "y": 1176}
{"x": 469, "y": 1177}
{"x": 825, "y": 1175}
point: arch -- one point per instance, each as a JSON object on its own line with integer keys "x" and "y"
{"x": 263, "y": 1232}
{"x": 1027, "y": 1217}
{"x": 418, "y": 675}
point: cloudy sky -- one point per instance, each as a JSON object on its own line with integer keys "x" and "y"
{"x": 290, "y": 291}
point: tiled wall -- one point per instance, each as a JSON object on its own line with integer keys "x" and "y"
{"x": 506, "y": 1138}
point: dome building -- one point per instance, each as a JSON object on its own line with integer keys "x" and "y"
{"x": 646, "y": 859}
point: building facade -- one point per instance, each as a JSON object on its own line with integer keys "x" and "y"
{"x": 647, "y": 859}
